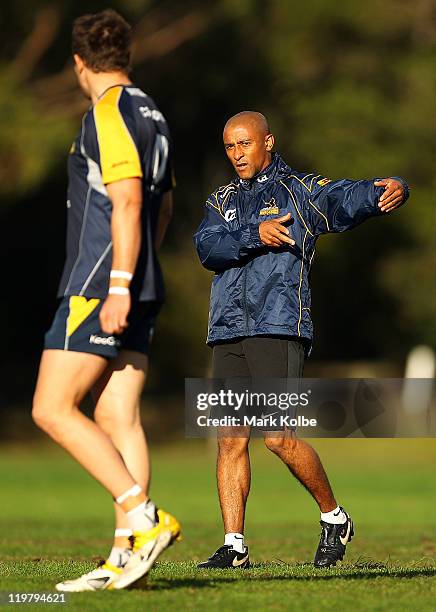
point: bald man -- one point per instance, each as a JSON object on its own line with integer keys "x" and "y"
{"x": 258, "y": 236}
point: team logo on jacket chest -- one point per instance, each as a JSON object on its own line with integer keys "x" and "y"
{"x": 271, "y": 208}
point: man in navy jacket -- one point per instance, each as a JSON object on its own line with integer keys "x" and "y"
{"x": 258, "y": 236}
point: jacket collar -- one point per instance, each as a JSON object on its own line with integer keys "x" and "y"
{"x": 275, "y": 171}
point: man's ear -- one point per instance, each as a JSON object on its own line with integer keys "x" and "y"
{"x": 269, "y": 142}
{"x": 79, "y": 63}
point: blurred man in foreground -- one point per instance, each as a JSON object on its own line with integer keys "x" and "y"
{"x": 119, "y": 204}
{"x": 260, "y": 324}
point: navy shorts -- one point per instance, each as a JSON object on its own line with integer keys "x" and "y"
{"x": 76, "y": 327}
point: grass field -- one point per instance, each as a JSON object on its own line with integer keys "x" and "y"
{"x": 56, "y": 522}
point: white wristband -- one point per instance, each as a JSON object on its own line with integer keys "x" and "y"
{"x": 119, "y": 291}
{"x": 121, "y": 274}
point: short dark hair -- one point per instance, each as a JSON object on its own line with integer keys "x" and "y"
{"x": 103, "y": 41}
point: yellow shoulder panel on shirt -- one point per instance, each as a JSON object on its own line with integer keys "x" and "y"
{"x": 119, "y": 157}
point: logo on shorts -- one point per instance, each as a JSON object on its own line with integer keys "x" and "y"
{"x": 109, "y": 341}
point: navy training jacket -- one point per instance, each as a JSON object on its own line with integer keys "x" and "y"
{"x": 259, "y": 290}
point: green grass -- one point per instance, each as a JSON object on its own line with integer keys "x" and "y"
{"x": 56, "y": 522}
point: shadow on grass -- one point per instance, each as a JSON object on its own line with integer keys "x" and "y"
{"x": 220, "y": 577}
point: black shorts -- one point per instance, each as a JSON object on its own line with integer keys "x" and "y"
{"x": 259, "y": 357}
{"x": 251, "y": 361}
{"x": 76, "y": 327}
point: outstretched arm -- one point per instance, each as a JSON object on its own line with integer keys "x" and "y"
{"x": 337, "y": 206}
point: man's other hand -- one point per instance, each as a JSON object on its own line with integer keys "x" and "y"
{"x": 274, "y": 234}
{"x": 393, "y": 195}
{"x": 113, "y": 315}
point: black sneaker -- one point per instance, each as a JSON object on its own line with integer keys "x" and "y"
{"x": 334, "y": 539}
{"x": 226, "y": 557}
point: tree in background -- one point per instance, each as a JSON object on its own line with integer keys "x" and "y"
{"x": 348, "y": 87}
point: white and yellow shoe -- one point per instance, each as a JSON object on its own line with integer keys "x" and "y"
{"x": 147, "y": 547}
{"x": 103, "y": 577}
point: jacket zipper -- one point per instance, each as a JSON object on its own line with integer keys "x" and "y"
{"x": 246, "y": 208}
{"x": 245, "y": 299}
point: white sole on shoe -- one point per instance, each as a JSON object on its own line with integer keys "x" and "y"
{"x": 82, "y": 584}
{"x": 67, "y": 588}
{"x": 128, "y": 577}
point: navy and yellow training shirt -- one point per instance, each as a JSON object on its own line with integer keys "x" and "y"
{"x": 122, "y": 136}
